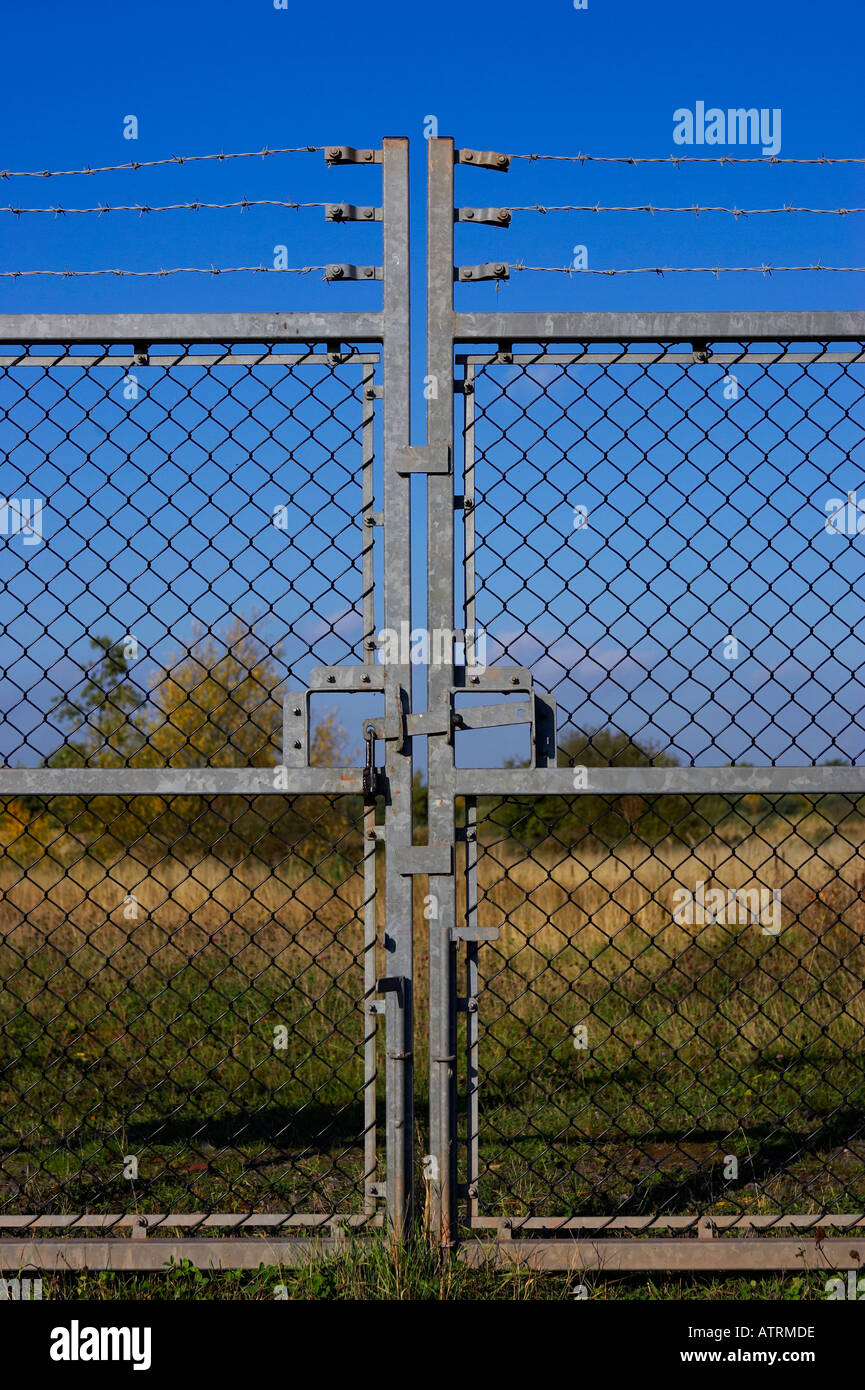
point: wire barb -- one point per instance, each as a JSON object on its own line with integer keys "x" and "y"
{"x": 136, "y": 164}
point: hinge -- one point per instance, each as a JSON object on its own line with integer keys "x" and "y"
{"x": 348, "y": 212}
{"x": 495, "y": 217}
{"x": 490, "y": 270}
{"x": 352, "y": 272}
{"x": 347, "y": 154}
{"x": 484, "y": 159}
{"x": 423, "y": 458}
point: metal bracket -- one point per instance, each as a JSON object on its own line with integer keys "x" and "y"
{"x": 490, "y": 270}
{"x": 348, "y": 212}
{"x": 295, "y": 704}
{"x": 484, "y": 159}
{"x": 495, "y": 217}
{"x": 701, "y": 350}
{"x": 352, "y": 272}
{"x": 347, "y": 154}
{"x": 424, "y": 859}
{"x": 424, "y": 458}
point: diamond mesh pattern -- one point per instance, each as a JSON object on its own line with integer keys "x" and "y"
{"x": 705, "y": 519}
{"x": 217, "y": 499}
{"x": 149, "y": 954}
{"x": 182, "y": 978}
{"x": 721, "y": 1022}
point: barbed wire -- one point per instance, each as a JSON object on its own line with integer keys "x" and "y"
{"x": 695, "y": 208}
{"x": 143, "y": 208}
{"x": 136, "y": 164}
{"x": 689, "y": 159}
{"x": 691, "y": 269}
{"x": 177, "y": 270}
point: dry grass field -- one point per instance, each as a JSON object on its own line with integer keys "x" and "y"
{"x": 139, "y": 1002}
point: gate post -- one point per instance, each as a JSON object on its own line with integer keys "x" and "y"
{"x": 398, "y": 940}
{"x": 440, "y": 614}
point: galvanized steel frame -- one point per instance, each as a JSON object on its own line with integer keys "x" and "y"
{"x": 389, "y": 328}
{"x": 568, "y": 1242}
{"x": 447, "y": 329}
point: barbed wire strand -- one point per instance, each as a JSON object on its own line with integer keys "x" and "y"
{"x": 689, "y": 159}
{"x": 144, "y": 208}
{"x": 177, "y": 270}
{"x": 136, "y": 164}
{"x": 694, "y": 208}
{"x": 691, "y": 269}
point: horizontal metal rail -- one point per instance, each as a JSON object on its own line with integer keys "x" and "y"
{"x": 656, "y": 781}
{"x": 179, "y": 781}
{"x": 201, "y": 328}
{"x": 768, "y": 326}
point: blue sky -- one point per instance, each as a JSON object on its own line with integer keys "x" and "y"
{"x": 505, "y": 76}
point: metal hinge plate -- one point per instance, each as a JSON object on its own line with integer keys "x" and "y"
{"x": 484, "y": 159}
{"x": 490, "y": 270}
{"x": 352, "y": 272}
{"x": 347, "y": 154}
{"x": 494, "y": 217}
{"x": 349, "y": 212}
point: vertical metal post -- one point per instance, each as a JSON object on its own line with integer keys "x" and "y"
{"x": 440, "y": 614}
{"x": 398, "y": 940}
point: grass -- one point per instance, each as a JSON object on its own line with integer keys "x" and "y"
{"x": 153, "y": 1036}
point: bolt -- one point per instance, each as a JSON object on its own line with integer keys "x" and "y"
{"x": 331, "y": 680}
{"x": 368, "y": 272}
{"x": 335, "y": 154}
{"x": 297, "y": 711}
{"x": 504, "y": 215}
{"x": 297, "y": 743}
{"x": 475, "y": 680}
{"x": 368, "y": 521}
{"x": 470, "y": 212}
{"x": 502, "y": 160}
{"x": 370, "y": 393}
{"x": 336, "y": 272}
{"x": 371, "y": 835}
{"x": 472, "y": 1005}
{"x": 499, "y": 269}
{"x": 515, "y": 680}
{"x": 467, "y": 275}
{"x": 368, "y": 156}
{"x": 364, "y": 680}
{"x": 471, "y": 835}
{"x": 367, "y": 213}
{"x": 468, "y": 156}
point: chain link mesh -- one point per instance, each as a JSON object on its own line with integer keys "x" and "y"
{"x": 183, "y": 977}
{"x": 665, "y": 1004}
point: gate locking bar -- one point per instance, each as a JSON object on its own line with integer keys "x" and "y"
{"x": 423, "y": 458}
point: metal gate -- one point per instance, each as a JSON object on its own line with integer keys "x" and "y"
{"x": 643, "y": 1046}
